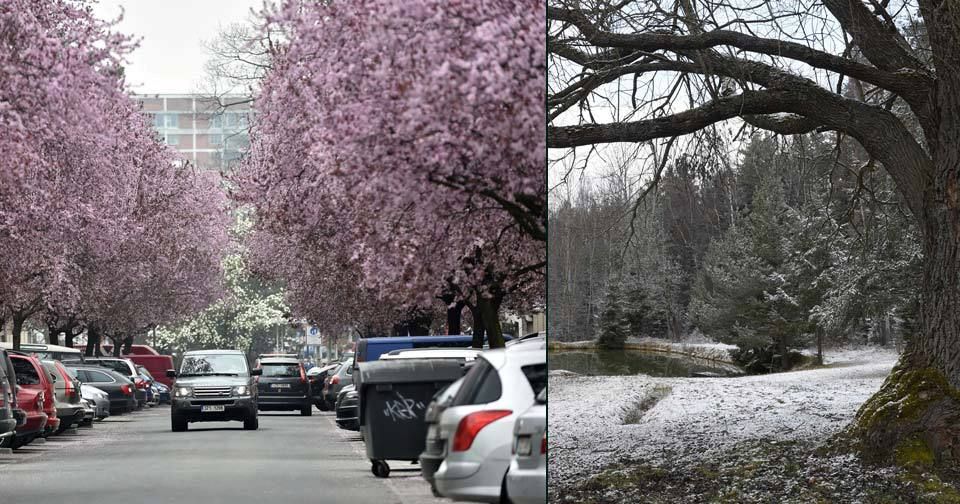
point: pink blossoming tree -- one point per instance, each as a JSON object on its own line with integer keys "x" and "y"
{"x": 97, "y": 226}
{"x": 398, "y": 154}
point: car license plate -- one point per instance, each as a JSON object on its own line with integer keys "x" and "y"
{"x": 524, "y": 447}
{"x": 211, "y": 408}
{"x": 280, "y": 385}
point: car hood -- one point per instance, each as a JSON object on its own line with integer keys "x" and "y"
{"x": 213, "y": 381}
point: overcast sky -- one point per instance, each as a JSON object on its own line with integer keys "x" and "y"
{"x": 171, "y": 54}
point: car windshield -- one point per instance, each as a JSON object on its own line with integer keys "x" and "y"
{"x": 144, "y": 372}
{"x": 280, "y": 369}
{"x": 213, "y": 364}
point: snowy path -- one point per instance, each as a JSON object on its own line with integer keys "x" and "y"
{"x": 701, "y": 416}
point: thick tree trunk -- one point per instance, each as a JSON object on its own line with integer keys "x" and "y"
{"x": 18, "y": 320}
{"x": 455, "y": 317}
{"x": 915, "y": 417}
{"x": 53, "y": 334}
{"x": 68, "y": 338}
{"x": 479, "y": 331}
{"x": 93, "y": 342}
{"x": 490, "y": 313}
{"x": 127, "y": 345}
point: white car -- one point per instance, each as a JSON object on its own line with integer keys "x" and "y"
{"x": 477, "y": 428}
{"x": 527, "y": 478}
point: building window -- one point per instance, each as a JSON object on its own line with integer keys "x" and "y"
{"x": 229, "y": 120}
{"x": 173, "y": 140}
{"x": 165, "y": 121}
{"x": 216, "y": 139}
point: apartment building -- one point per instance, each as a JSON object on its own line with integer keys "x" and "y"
{"x": 210, "y": 133}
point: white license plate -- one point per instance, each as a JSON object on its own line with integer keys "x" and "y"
{"x": 280, "y": 385}
{"x": 211, "y": 408}
{"x": 524, "y": 446}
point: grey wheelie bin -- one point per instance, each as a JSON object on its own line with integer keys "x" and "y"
{"x": 394, "y": 395}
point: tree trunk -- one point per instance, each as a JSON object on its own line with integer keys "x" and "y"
{"x": 53, "y": 333}
{"x": 18, "y": 319}
{"x": 915, "y": 417}
{"x": 93, "y": 342}
{"x": 127, "y": 345}
{"x": 819, "y": 346}
{"x": 68, "y": 338}
{"x": 479, "y": 331}
{"x": 490, "y": 313}
{"x": 455, "y": 317}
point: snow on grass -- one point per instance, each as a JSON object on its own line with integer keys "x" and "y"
{"x": 703, "y": 416}
{"x": 703, "y": 350}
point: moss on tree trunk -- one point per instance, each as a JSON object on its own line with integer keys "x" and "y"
{"x": 913, "y": 420}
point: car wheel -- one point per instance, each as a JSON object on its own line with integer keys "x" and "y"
{"x": 380, "y": 469}
{"x": 251, "y": 422}
{"x": 178, "y": 423}
{"x": 322, "y": 406}
{"x": 306, "y": 410}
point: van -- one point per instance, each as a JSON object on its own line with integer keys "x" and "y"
{"x": 144, "y": 355}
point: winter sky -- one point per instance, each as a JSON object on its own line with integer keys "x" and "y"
{"x": 171, "y": 55}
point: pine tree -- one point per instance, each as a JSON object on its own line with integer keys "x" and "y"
{"x": 614, "y": 326}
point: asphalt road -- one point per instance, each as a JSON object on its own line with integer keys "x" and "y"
{"x": 136, "y": 458}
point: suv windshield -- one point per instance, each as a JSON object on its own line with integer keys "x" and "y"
{"x": 281, "y": 369}
{"x": 214, "y": 364}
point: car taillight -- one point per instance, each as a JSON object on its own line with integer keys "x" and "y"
{"x": 303, "y": 376}
{"x": 543, "y": 444}
{"x": 70, "y": 389}
{"x": 472, "y": 424}
{"x": 125, "y": 388}
{"x": 335, "y": 380}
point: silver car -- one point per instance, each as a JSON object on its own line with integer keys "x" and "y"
{"x": 433, "y": 451}
{"x": 477, "y": 428}
{"x": 99, "y": 398}
{"x": 527, "y": 478}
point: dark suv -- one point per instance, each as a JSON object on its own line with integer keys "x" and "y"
{"x": 284, "y": 385}
{"x": 214, "y": 386}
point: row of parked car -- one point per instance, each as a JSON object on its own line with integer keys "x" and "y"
{"x": 474, "y": 419}
{"x": 45, "y": 390}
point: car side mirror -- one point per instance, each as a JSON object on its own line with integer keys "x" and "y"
{"x": 171, "y": 373}
{"x": 256, "y": 372}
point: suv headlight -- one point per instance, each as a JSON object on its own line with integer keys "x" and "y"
{"x": 184, "y": 391}
{"x": 241, "y": 390}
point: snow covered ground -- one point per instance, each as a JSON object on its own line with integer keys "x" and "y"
{"x": 703, "y": 416}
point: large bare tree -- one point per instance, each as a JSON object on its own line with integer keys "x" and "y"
{"x": 883, "y": 72}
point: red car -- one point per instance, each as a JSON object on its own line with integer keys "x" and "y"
{"x": 30, "y": 398}
{"x": 34, "y": 377}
